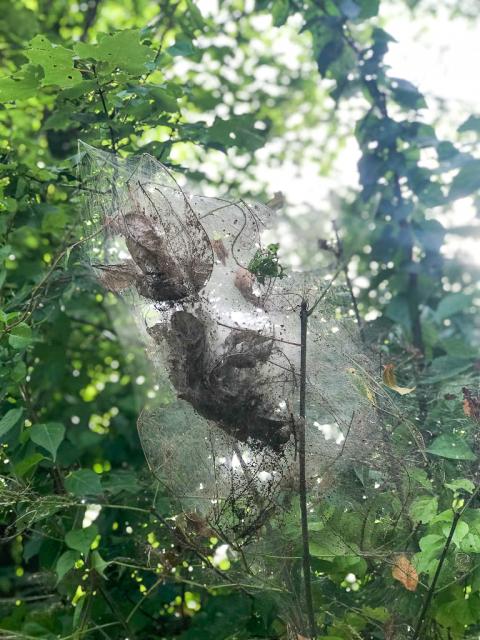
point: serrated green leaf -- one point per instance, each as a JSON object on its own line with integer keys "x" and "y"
{"x": 20, "y": 86}
{"x": 424, "y": 508}
{"x": 48, "y": 435}
{"x": 9, "y": 420}
{"x": 451, "y": 447}
{"x": 83, "y": 482}
{"x": 55, "y": 60}
{"x": 121, "y": 50}
{"x": 81, "y": 539}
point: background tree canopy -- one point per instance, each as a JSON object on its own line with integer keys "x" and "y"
{"x": 223, "y": 97}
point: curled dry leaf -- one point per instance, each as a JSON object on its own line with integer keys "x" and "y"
{"x": 471, "y": 404}
{"x": 118, "y": 277}
{"x": 404, "y": 571}
{"x": 390, "y": 380}
{"x": 277, "y": 202}
{"x": 244, "y": 281}
{"x": 220, "y": 250}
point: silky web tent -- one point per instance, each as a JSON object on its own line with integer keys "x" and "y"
{"x": 221, "y": 320}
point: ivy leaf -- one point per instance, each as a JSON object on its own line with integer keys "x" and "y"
{"x": 83, "y": 482}
{"x": 121, "y": 50}
{"x": 424, "y": 508}
{"x": 81, "y": 539}
{"x": 9, "y": 420}
{"x": 49, "y": 436}
{"x": 451, "y": 447}
{"x": 55, "y": 60}
{"x": 65, "y": 563}
{"x": 466, "y": 182}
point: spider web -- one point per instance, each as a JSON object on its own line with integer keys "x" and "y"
{"x": 229, "y": 345}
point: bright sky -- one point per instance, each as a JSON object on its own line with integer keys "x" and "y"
{"x": 437, "y": 53}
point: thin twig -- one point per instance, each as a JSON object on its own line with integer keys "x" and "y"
{"x": 304, "y": 313}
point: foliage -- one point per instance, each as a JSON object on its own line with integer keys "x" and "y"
{"x": 91, "y": 549}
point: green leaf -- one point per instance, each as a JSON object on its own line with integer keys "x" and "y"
{"x": 472, "y": 123}
{"x": 280, "y": 11}
{"x": 470, "y": 543}
{"x": 461, "y": 530}
{"x": 65, "y": 563}
{"x": 121, "y": 50}
{"x": 451, "y": 304}
{"x": 445, "y": 367}
{"x": 461, "y": 484}
{"x": 452, "y": 447}
{"x": 81, "y": 539}
{"x": 98, "y": 563}
{"x": 118, "y": 481}
{"x": 238, "y": 131}
{"x": 424, "y": 508}
{"x": 83, "y": 482}
{"x": 28, "y": 464}
{"x": 55, "y": 60}
{"x": 467, "y": 180}
{"x": 20, "y": 87}
{"x": 48, "y": 435}
{"x": 9, "y": 420}
{"x": 20, "y": 336}
{"x": 350, "y": 9}
{"x": 369, "y": 8}
{"x": 183, "y": 47}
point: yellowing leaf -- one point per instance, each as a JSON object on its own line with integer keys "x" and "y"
{"x": 404, "y": 571}
{"x": 361, "y": 384}
{"x": 390, "y": 380}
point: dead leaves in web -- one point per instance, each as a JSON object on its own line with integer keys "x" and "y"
{"x": 390, "y": 380}
{"x": 471, "y": 404}
{"x": 244, "y": 281}
{"x": 404, "y": 571}
{"x": 220, "y": 250}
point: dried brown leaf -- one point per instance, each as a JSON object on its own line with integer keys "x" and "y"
{"x": 390, "y": 380}
{"x": 220, "y": 250}
{"x": 404, "y": 571}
